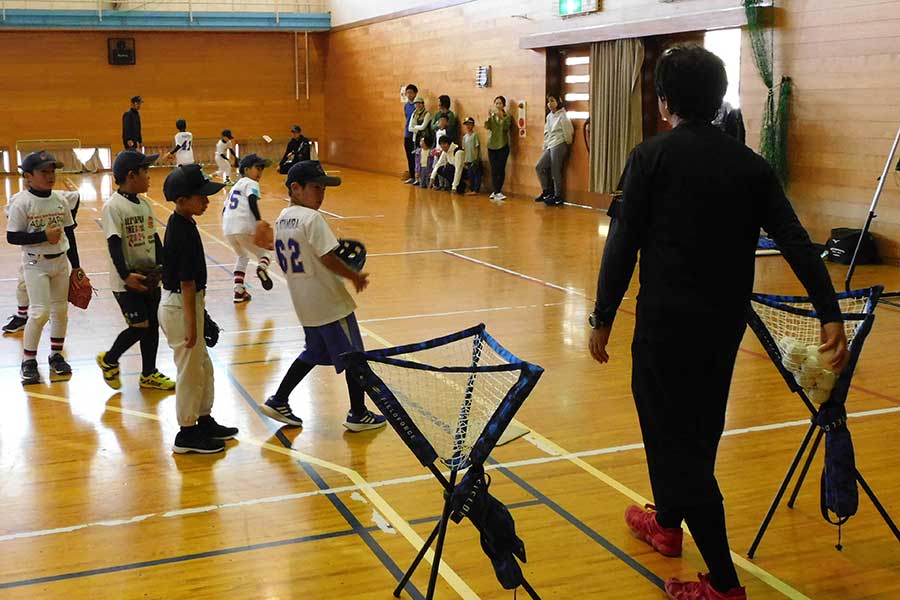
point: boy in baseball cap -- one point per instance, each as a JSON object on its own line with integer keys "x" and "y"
{"x": 305, "y": 246}
{"x": 240, "y": 216}
{"x": 182, "y": 309}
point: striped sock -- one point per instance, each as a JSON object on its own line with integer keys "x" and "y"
{"x": 264, "y": 263}
{"x": 56, "y": 344}
{"x": 238, "y": 278}
{"x": 29, "y": 354}
{"x": 23, "y": 312}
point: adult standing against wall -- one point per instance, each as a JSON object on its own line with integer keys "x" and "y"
{"x": 409, "y": 143}
{"x": 452, "y": 119}
{"x": 499, "y": 124}
{"x": 696, "y": 276}
{"x": 550, "y": 167}
{"x": 131, "y": 125}
{"x": 298, "y": 149}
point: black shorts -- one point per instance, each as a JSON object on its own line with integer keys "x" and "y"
{"x": 138, "y": 307}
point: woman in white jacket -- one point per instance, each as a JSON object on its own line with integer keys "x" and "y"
{"x": 558, "y": 132}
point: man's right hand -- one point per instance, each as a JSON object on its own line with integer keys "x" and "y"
{"x": 361, "y": 282}
{"x": 135, "y": 282}
{"x": 834, "y": 339}
{"x": 53, "y": 233}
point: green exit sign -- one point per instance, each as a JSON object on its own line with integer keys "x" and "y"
{"x": 576, "y": 7}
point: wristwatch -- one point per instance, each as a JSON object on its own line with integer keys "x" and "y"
{"x": 596, "y": 323}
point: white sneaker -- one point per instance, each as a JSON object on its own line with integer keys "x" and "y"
{"x": 492, "y": 195}
{"x": 499, "y": 196}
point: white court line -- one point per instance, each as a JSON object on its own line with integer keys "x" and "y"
{"x": 517, "y": 274}
{"x": 556, "y": 457}
{"x": 419, "y": 316}
{"x": 436, "y": 251}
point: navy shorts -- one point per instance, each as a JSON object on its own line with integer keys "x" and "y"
{"x": 326, "y": 343}
{"x": 138, "y": 307}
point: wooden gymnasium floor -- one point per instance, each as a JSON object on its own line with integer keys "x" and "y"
{"x": 95, "y": 505}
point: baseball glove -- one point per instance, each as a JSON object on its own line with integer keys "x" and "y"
{"x": 211, "y": 330}
{"x": 352, "y": 252}
{"x": 80, "y": 289}
{"x": 264, "y": 236}
{"x": 152, "y": 277}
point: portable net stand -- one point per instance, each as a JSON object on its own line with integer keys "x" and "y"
{"x": 789, "y": 330}
{"x": 454, "y": 413}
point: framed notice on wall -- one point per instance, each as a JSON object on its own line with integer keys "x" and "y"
{"x": 121, "y": 51}
{"x": 567, "y": 8}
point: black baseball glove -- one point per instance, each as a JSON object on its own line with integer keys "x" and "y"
{"x": 352, "y": 252}
{"x": 211, "y": 330}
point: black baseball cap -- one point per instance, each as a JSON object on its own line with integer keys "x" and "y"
{"x": 253, "y": 160}
{"x": 189, "y": 180}
{"x": 131, "y": 160}
{"x": 227, "y": 133}
{"x": 310, "y": 171}
{"x": 136, "y": 99}
{"x": 296, "y": 128}
{"x": 37, "y": 159}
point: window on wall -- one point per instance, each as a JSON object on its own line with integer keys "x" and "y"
{"x": 726, "y": 44}
{"x": 576, "y": 87}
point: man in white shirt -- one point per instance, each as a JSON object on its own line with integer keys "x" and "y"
{"x": 449, "y": 167}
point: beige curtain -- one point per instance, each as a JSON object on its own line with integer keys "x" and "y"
{"x": 616, "y": 124}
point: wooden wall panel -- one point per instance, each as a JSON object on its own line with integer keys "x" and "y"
{"x": 844, "y": 58}
{"x": 243, "y": 81}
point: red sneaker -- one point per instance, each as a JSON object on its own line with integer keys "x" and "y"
{"x": 642, "y": 522}
{"x": 701, "y": 590}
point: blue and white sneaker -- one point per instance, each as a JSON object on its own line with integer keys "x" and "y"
{"x": 280, "y": 411}
{"x": 364, "y": 422}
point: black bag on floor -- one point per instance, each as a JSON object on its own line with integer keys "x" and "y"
{"x": 842, "y": 244}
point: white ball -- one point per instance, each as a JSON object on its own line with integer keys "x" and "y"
{"x": 811, "y": 366}
{"x": 818, "y": 396}
{"x": 826, "y": 380}
{"x": 806, "y": 380}
{"x": 797, "y": 352}
{"x": 826, "y": 357}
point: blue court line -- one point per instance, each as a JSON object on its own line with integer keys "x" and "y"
{"x": 584, "y": 528}
{"x": 219, "y": 552}
{"x": 348, "y": 515}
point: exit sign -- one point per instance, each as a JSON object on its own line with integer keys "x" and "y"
{"x": 576, "y": 7}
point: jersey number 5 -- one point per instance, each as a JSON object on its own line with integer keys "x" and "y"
{"x": 233, "y": 199}
{"x": 296, "y": 265}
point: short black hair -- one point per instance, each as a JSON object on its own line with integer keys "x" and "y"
{"x": 444, "y": 101}
{"x": 445, "y": 139}
{"x": 412, "y": 87}
{"x": 557, "y": 97}
{"x": 180, "y": 124}
{"x": 444, "y": 116}
{"x": 502, "y": 99}
{"x": 120, "y": 181}
{"x": 428, "y": 139}
{"x": 692, "y": 81}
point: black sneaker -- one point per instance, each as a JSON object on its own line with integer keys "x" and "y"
{"x": 280, "y": 411}
{"x": 16, "y": 323}
{"x": 30, "y": 373}
{"x": 543, "y": 197}
{"x": 193, "y": 439}
{"x": 553, "y": 200}
{"x": 264, "y": 278}
{"x": 59, "y": 368}
{"x": 209, "y": 427}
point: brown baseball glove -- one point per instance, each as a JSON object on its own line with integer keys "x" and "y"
{"x": 80, "y": 289}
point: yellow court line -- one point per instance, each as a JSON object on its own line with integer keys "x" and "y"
{"x": 398, "y": 522}
{"x": 547, "y": 444}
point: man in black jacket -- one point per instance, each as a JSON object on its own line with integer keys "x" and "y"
{"x": 693, "y": 201}
{"x": 131, "y": 125}
{"x": 298, "y": 149}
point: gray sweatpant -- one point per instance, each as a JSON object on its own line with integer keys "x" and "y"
{"x": 550, "y": 169}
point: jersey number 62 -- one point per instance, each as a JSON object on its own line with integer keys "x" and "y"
{"x": 296, "y": 265}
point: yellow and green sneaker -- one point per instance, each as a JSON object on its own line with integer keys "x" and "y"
{"x": 157, "y": 381}
{"x": 110, "y": 372}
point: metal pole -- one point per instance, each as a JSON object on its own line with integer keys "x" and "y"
{"x": 296, "y": 70}
{"x": 277, "y": 15}
{"x": 190, "y": 11}
{"x": 306, "y": 72}
{"x": 99, "y": 10}
{"x": 872, "y": 215}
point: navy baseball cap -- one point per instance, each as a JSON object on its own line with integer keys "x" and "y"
{"x": 227, "y": 133}
{"x": 131, "y": 160}
{"x": 189, "y": 180}
{"x": 137, "y": 99}
{"x": 310, "y": 171}
{"x": 296, "y": 129}
{"x": 37, "y": 159}
{"x": 253, "y": 160}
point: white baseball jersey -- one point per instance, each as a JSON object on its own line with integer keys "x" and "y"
{"x": 302, "y": 237}
{"x": 31, "y": 213}
{"x": 222, "y": 147}
{"x": 135, "y": 225}
{"x": 185, "y": 153}
{"x": 237, "y": 216}
{"x": 71, "y": 198}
